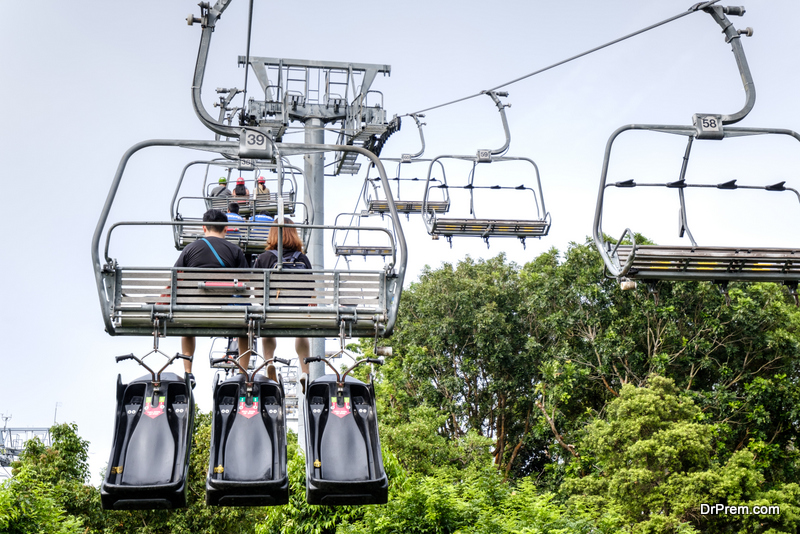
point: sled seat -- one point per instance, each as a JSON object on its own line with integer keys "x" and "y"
{"x": 711, "y": 263}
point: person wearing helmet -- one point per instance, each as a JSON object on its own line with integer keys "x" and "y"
{"x": 240, "y": 190}
{"x": 221, "y": 190}
{"x": 261, "y": 191}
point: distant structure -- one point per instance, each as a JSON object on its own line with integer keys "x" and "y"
{"x": 13, "y": 440}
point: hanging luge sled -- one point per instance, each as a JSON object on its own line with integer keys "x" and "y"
{"x": 343, "y": 449}
{"x": 631, "y": 260}
{"x": 149, "y": 460}
{"x": 248, "y": 441}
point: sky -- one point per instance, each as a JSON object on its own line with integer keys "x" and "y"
{"x": 82, "y": 82}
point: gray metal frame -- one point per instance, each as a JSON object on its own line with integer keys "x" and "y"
{"x": 486, "y": 228}
{"x": 720, "y": 264}
{"x": 610, "y": 252}
{"x": 106, "y": 273}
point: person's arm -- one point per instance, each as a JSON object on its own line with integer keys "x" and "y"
{"x": 181, "y": 259}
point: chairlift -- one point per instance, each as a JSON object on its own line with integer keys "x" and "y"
{"x": 628, "y": 260}
{"x": 197, "y": 302}
{"x": 369, "y": 240}
{"x": 487, "y": 227}
{"x": 376, "y": 201}
{"x": 252, "y": 239}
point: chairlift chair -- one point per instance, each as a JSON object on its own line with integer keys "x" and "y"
{"x": 636, "y": 261}
{"x": 251, "y": 238}
{"x": 369, "y": 240}
{"x": 521, "y": 228}
{"x": 227, "y": 302}
{"x": 405, "y": 201}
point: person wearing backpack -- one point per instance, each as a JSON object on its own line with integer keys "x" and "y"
{"x": 212, "y": 251}
{"x": 293, "y": 258}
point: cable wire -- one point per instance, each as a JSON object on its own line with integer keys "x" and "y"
{"x": 247, "y": 63}
{"x": 693, "y": 9}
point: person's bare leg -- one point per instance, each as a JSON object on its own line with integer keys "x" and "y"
{"x": 268, "y": 345}
{"x": 187, "y": 349}
{"x": 302, "y": 346}
{"x": 244, "y": 352}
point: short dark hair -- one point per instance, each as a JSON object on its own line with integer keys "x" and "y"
{"x": 214, "y": 215}
{"x": 233, "y": 207}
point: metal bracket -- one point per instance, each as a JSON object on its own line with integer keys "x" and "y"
{"x": 723, "y": 288}
{"x": 792, "y": 286}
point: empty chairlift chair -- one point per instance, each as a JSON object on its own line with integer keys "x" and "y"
{"x": 373, "y": 238}
{"x": 626, "y": 259}
{"x": 408, "y": 195}
{"x": 530, "y": 200}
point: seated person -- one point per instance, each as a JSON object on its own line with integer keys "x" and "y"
{"x": 212, "y": 251}
{"x": 240, "y": 190}
{"x": 268, "y": 260}
{"x": 261, "y": 191}
{"x": 233, "y": 216}
{"x": 261, "y": 232}
{"x": 221, "y": 190}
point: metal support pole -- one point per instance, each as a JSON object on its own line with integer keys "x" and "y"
{"x": 315, "y": 193}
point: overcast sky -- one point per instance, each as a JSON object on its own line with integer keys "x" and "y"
{"x": 82, "y": 82}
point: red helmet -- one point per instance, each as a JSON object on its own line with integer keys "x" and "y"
{"x": 261, "y": 180}
{"x": 240, "y": 181}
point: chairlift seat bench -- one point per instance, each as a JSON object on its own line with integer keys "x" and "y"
{"x": 362, "y": 250}
{"x": 754, "y": 264}
{"x": 490, "y": 227}
{"x": 408, "y": 206}
{"x": 260, "y": 204}
{"x": 249, "y": 239}
{"x": 219, "y": 302}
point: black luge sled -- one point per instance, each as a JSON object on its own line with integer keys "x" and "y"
{"x": 343, "y": 450}
{"x": 149, "y": 460}
{"x": 248, "y": 443}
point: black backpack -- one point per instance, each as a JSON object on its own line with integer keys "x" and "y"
{"x": 290, "y": 260}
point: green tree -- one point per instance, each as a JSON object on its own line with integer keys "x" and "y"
{"x": 48, "y": 492}
{"x": 461, "y": 344}
{"x": 652, "y": 461}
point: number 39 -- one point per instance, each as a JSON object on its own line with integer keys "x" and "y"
{"x": 258, "y": 139}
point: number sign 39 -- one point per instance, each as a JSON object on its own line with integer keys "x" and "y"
{"x": 254, "y": 144}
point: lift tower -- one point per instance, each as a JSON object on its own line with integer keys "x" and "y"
{"x": 316, "y": 94}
